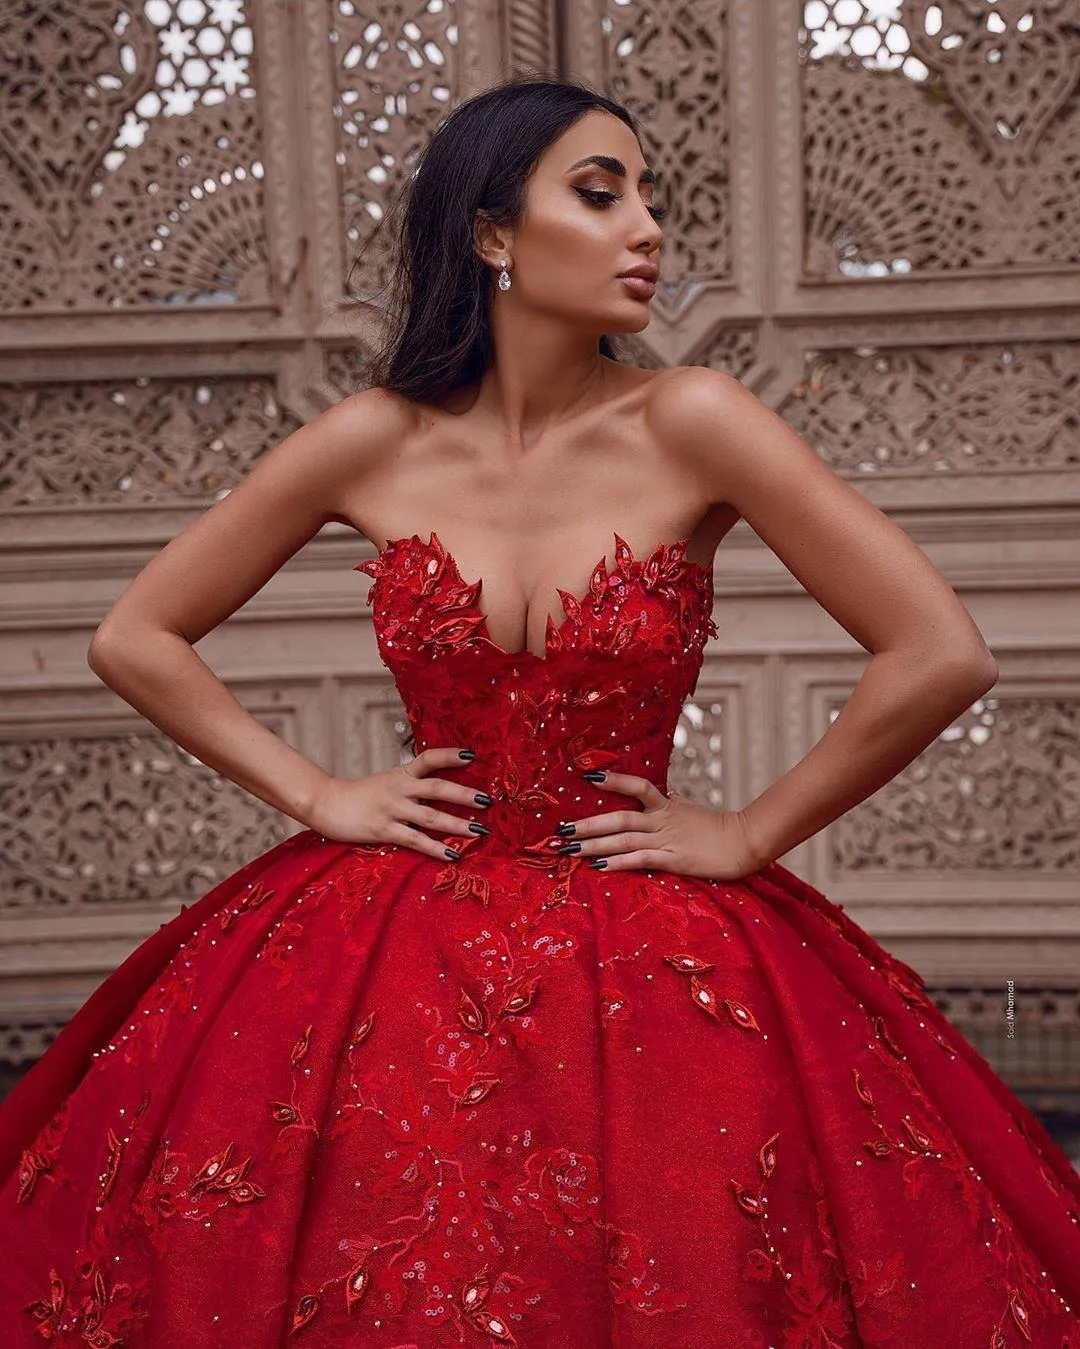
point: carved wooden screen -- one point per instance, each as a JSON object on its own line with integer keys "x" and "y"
{"x": 873, "y": 224}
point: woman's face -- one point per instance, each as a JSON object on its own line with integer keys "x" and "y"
{"x": 585, "y": 223}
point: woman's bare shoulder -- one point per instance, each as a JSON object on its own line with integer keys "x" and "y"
{"x": 679, "y": 387}
{"x": 365, "y": 423}
{"x": 684, "y": 404}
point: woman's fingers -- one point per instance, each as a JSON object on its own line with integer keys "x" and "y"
{"x": 439, "y": 789}
{"x": 609, "y": 823}
{"x": 437, "y": 756}
{"x": 438, "y": 821}
{"x": 603, "y": 845}
{"x": 419, "y": 842}
{"x": 630, "y": 784}
{"x": 416, "y": 815}
{"x": 640, "y": 859}
{"x": 626, "y": 830}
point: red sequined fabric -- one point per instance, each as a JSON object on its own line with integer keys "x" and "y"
{"x": 356, "y": 1096}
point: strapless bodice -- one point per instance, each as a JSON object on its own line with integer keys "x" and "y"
{"x": 606, "y": 694}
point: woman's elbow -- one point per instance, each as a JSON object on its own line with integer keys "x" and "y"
{"x": 106, "y": 648}
{"x": 977, "y": 671}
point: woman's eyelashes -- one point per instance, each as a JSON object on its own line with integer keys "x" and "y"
{"x": 603, "y": 198}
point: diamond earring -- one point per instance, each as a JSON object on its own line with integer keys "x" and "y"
{"x": 504, "y": 277}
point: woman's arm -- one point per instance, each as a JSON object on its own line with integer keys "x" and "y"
{"x": 930, "y": 661}
{"x": 143, "y": 646}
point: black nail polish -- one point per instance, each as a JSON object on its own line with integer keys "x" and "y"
{"x": 569, "y": 848}
{"x": 453, "y": 853}
{"x": 482, "y": 799}
{"x": 594, "y": 775}
{"x": 564, "y": 830}
{"x": 479, "y": 828}
{"x": 598, "y": 863}
{"x": 469, "y": 754}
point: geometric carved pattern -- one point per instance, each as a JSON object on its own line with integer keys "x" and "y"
{"x": 998, "y": 791}
{"x": 138, "y": 440}
{"x": 669, "y": 65}
{"x": 124, "y": 819}
{"x": 939, "y": 137}
{"x": 944, "y": 409}
{"x": 395, "y": 68}
{"x": 696, "y": 768}
{"x": 129, "y": 155}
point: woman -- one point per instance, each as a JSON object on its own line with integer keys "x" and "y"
{"x": 510, "y": 1045}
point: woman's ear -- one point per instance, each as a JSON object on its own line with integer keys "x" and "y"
{"x": 491, "y": 242}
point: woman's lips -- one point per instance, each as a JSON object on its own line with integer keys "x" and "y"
{"x": 639, "y": 286}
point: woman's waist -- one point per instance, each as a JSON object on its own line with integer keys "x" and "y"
{"x": 537, "y": 782}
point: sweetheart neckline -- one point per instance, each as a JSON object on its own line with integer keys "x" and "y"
{"x": 703, "y": 570}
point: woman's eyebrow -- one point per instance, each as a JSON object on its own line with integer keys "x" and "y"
{"x": 612, "y": 165}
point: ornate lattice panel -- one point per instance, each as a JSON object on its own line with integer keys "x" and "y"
{"x": 133, "y": 441}
{"x": 132, "y": 160}
{"x": 669, "y": 65}
{"x": 974, "y": 409}
{"x": 939, "y": 136}
{"x": 998, "y": 792}
{"x": 122, "y": 819}
{"x": 395, "y": 76}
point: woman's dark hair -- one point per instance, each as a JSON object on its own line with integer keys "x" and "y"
{"x": 438, "y": 336}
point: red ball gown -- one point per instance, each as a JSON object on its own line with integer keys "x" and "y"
{"x": 357, "y": 1096}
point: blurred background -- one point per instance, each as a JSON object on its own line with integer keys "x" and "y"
{"x": 874, "y": 224}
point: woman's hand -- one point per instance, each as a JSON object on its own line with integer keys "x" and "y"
{"x": 670, "y": 834}
{"x": 389, "y": 807}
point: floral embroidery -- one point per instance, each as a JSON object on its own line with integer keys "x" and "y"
{"x": 252, "y": 899}
{"x": 42, "y": 1158}
{"x": 97, "y": 1313}
{"x": 173, "y": 1190}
